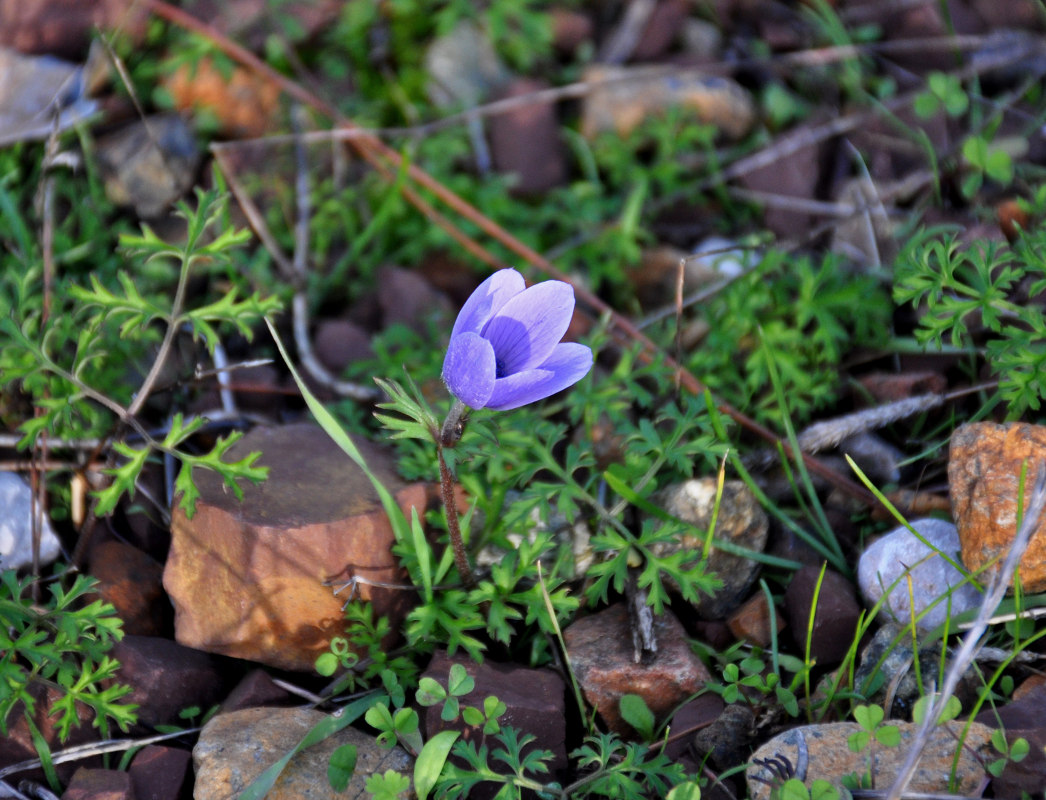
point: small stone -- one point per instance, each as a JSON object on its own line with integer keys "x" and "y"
{"x": 794, "y": 177}
{"x": 255, "y": 689}
{"x": 702, "y": 40}
{"x": 247, "y": 578}
{"x": 534, "y": 699}
{"x": 887, "y": 666}
{"x": 622, "y": 97}
{"x": 406, "y": 298}
{"x": 886, "y": 387}
{"x": 160, "y": 773}
{"x": 570, "y": 29}
{"x": 727, "y": 741}
{"x": 149, "y": 164}
{"x": 835, "y": 621}
{"x": 601, "y": 652}
{"x": 751, "y": 621}
{"x": 879, "y": 460}
{"x": 891, "y": 560}
{"x": 463, "y": 67}
{"x": 165, "y": 678}
{"x": 1024, "y": 717}
{"x": 525, "y": 141}
{"x": 984, "y": 469}
{"x": 258, "y": 389}
{"x": 16, "y": 526}
{"x": 244, "y": 104}
{"x": 100, "y": 784}
{"x": 661, "y": 30}
{"x": 235, "y": 748}
{"x": 66, "y": 27}
{"x": 864, "y": 239}
{"x": 692, "y": 717}
{"x": 133, "y": 583}
{"x": 339, "y": 342}
{"x": 741, "y": 521}
{"x": 828, "y": 757}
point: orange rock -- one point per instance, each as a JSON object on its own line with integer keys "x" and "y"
{"x": 244, "y": 104}
{"x": 752, "y": 621}
{"x": 247, "y": 579}
{"x": 984, "y": 469}
{"x": 620, "y": 98}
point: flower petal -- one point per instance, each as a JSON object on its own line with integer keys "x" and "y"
{"x": 468, "y": 369}
{"x": 568, "y": 364}
{"x": 528, "y": 327}
{"x": 487, "y": 300}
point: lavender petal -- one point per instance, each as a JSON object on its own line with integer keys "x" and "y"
{"x": 568, "y": 364}
{"x": 468, "y": 369}
{"x": 487, "y": 300}
{"x": 529, "y": 326}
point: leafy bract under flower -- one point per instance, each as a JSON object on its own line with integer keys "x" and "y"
{"x": 505, "y": 348}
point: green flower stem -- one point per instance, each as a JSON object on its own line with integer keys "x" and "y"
{"x": 449, "y": 436}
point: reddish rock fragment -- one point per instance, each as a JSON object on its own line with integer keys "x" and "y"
{"x": 570, "y": 29}
{"x": 662, "y": 29}
{"x": 165, "y": 678}
{"x": 408, "y": 299}
{"x": 160, "y": 773}
{"x": 752, "y": 621}
{"x": 247, "y": 579}
{"x": 795, "y": 177}
{"x": 535, "y": 701}
{"x": 984, "y": 469}
{"x": 835, "y": 620}
{"x": 525, "y": 142}
{"x": 66, "y": 27}
{"x": 256, "y": 689}
{"x": 600, "y": 650}
{"x": 99, "y": 784}
{"x": 339, "y": 342}
{"x": 132, "y": 582}
{"x": 886, "y": 387}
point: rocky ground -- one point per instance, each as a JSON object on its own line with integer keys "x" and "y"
{"x": 230, "y": 607}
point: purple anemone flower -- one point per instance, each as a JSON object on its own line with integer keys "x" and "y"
{"x": 504, "y": 349}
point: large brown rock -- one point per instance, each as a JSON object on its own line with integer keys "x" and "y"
{"x": 601, "y": 653}
{"x": 247, "y": 578}
{"x": 984, "y": 469}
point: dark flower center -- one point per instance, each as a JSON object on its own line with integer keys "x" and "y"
{"x": 499, "y": 368}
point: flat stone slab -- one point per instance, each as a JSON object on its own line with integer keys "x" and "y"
{"x": 235, "y": 748}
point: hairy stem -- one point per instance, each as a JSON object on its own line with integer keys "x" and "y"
{"x": 461, "y": 559}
